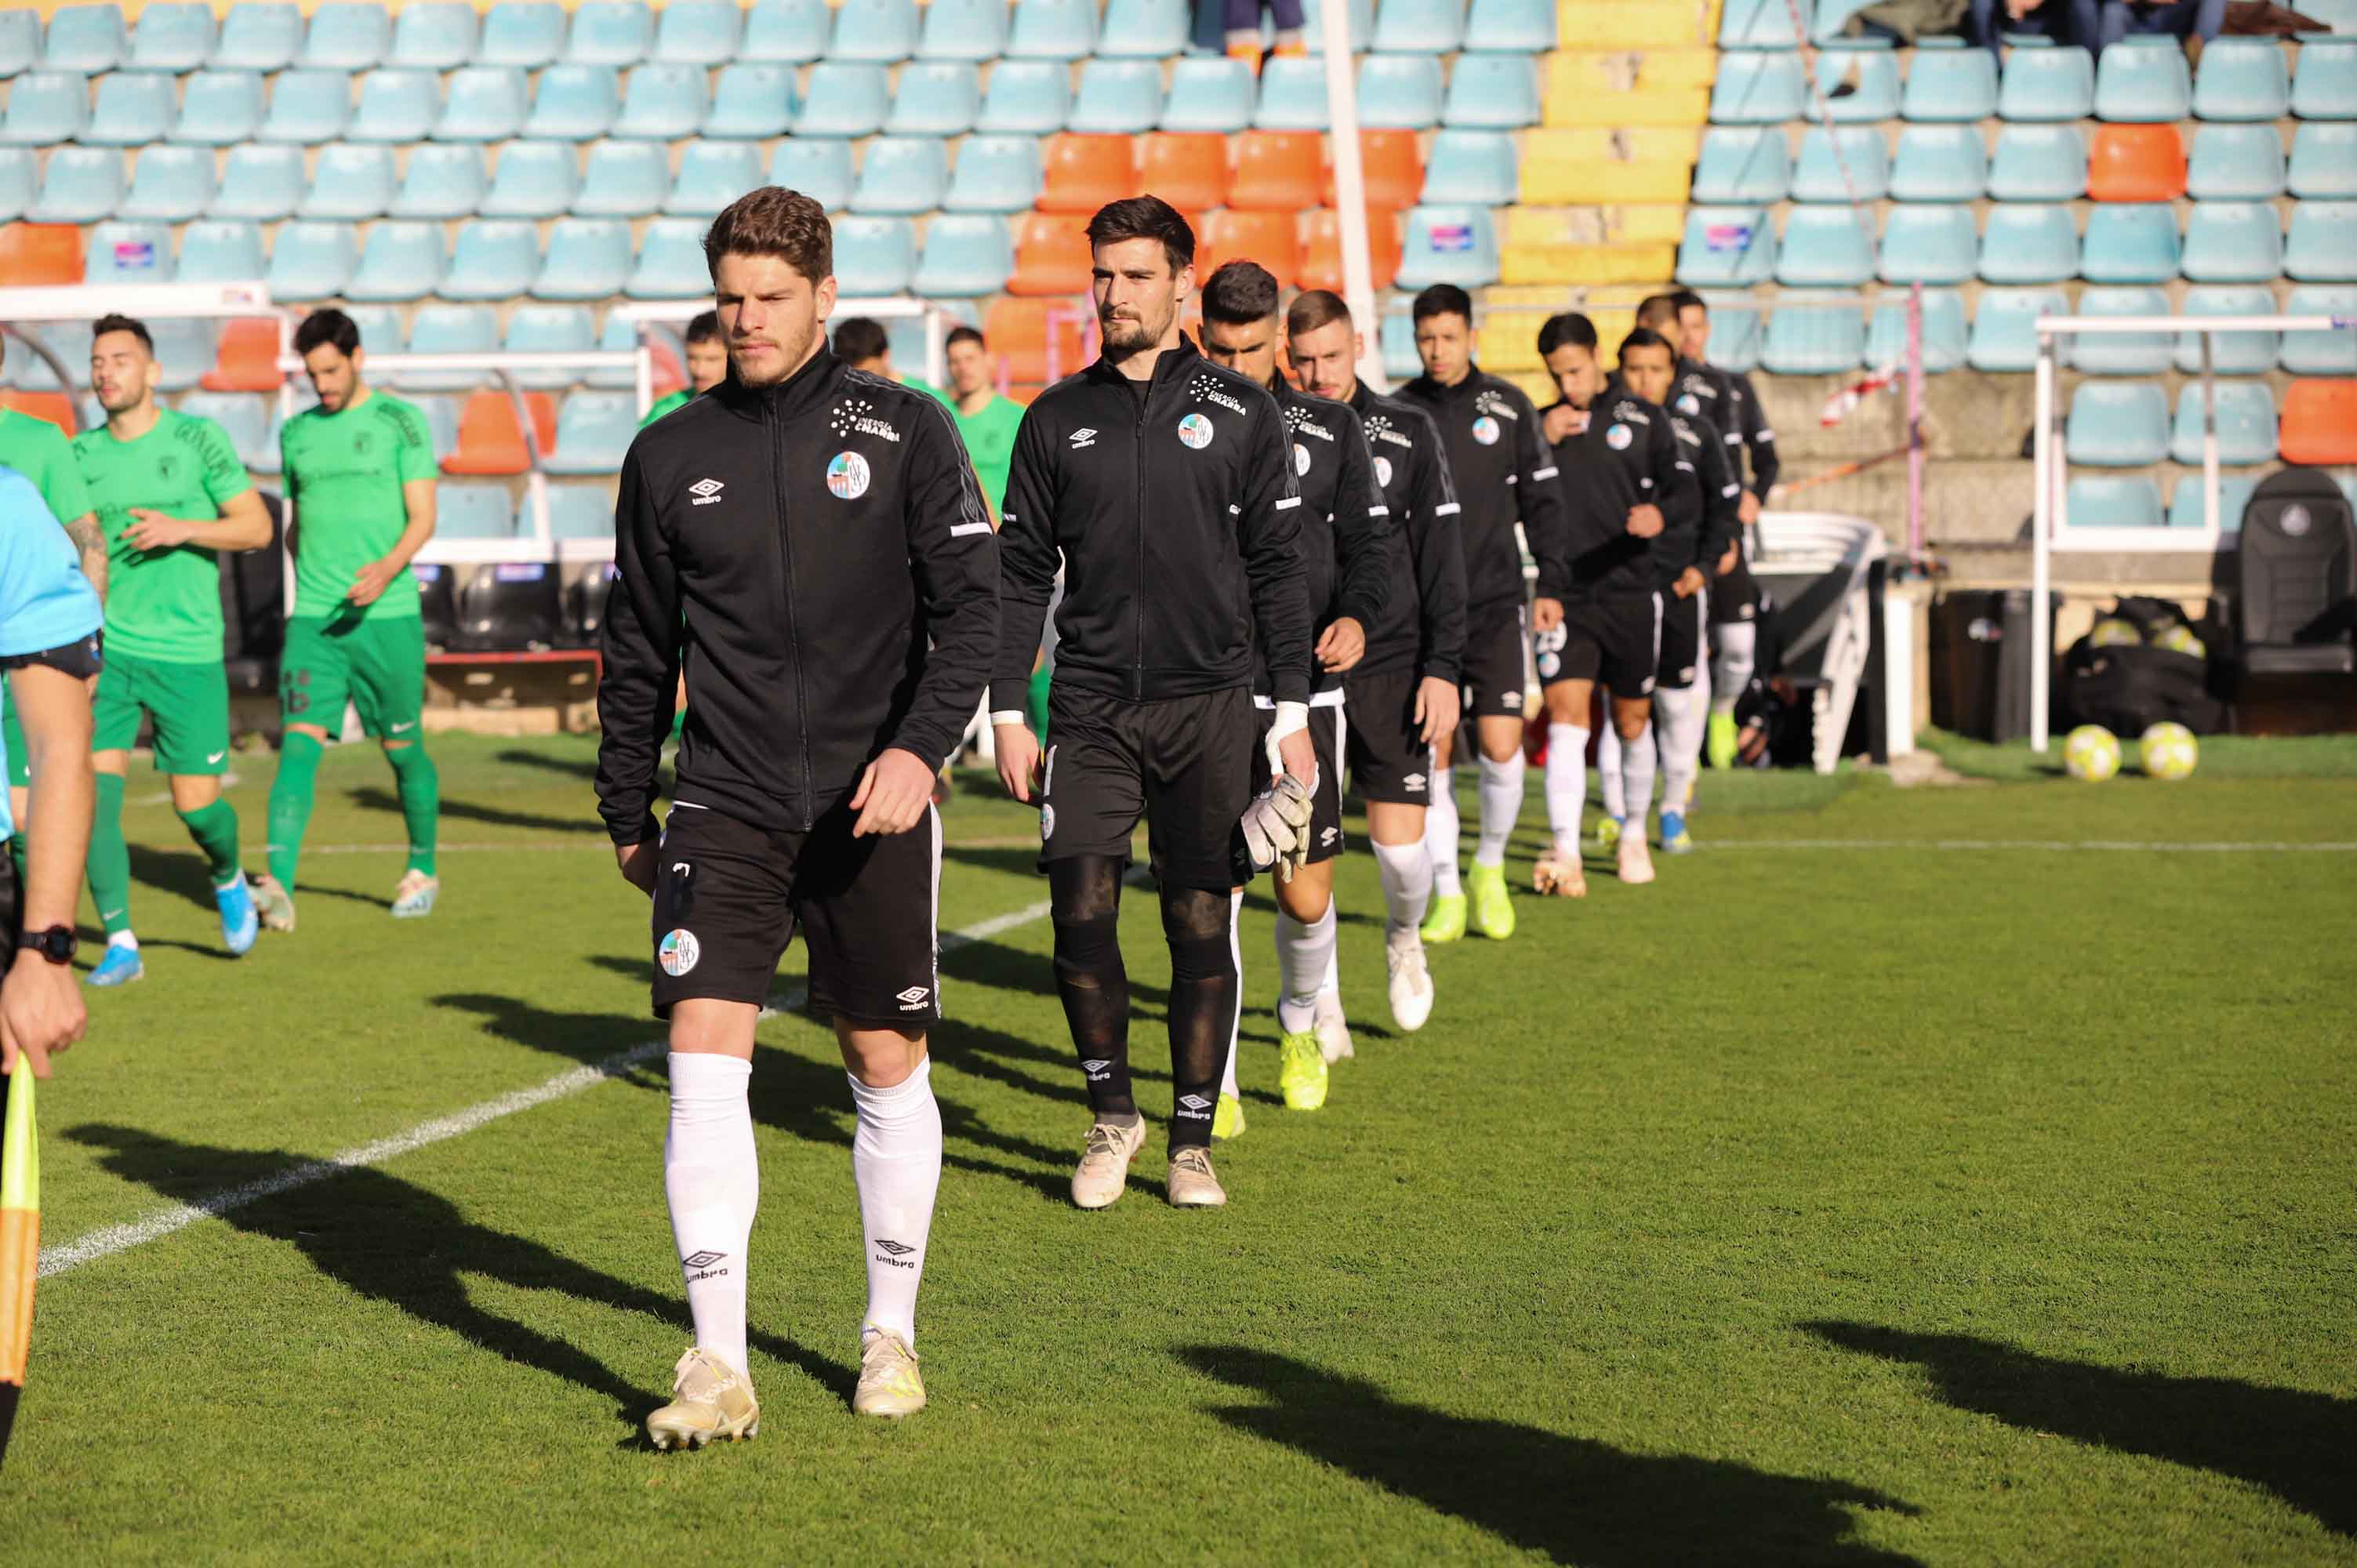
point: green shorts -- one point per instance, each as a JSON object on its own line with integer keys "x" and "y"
{"x": 377, "y": 665}
{"x": 189, "y": 703}
{"x": 20, "y": 761}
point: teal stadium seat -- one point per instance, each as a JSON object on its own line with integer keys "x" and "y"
{"x": 524, "y": 34}
{"x": 2337, "y": 15}
{"x": 1727, "y": 247}
{"x": 127, "y": 254}
{"x": 1932, "y": 243}
{"x": 220, "y": 109}
{"x": 1740, "y": 163}
{"x": 1757, "y": 24}
{"x": 2144, "y": 80}
{"x": 1449, "y": 244}
{"x": 2245, "y": 418}
{"x": 1812, "y": 337}
{"x": 2238, "y": 163}
{"x": 450, "y": 330}
{"x": 1210, "y": 93}
{"x": 1492, "y": 93}
{"x": 2129, "y": 243}
{"x": 573, "y": 103}
{"x": 935, "y": 98}
{"x": 902, "y": 175}
{"x": 46, "y": 107}
{"x": 434, "y": 35}
{"x": 260, "y": 184}
{"x": 1825, "y": 247}
{"x": 610, "y": 32}
{"x": 135, "y": 108}
{"x": 1860, "y": 83}
{"x": 2115, "y": 354}
{"x": 2326, "y": 85}
{"x": 819, "y": 168}
{"x": 1029, "y": 98}
{"x": 184, "y": 348}
{"x": 309, "y": 107}
{"x": 621, "y": 337}
{"x": 589, "y": 259}
{"x": 2048, "y": 85}
{"x": 874, "y": 257}
{"x": 2242, "y": 79}
{"x": 494, "y": 259}
{"x": 1119, "y": 97}
{"x": 1399, "y": 91}
{"x": 401, "y": 262}
{"x": 171, "y": 185}
{"x": 1359, "y": 25}
{"x": 711, "y": 176}
{"x": 2039, "y": 163}
{"x": 2323, "y": 160}
{"x": 623, "y": 179}
{"x": 698, "y": 32}
{"x": 2232, "y": 242}
{"x": 1944, "y": 332}
{"x": 396, "y": 106}
{"x": 549, "y": 329}
{"x": 2230, "y": 353}
{"x": 1951, "y": 86}
{"x": 2117, "y": 424}
{"x": 965, "y": 256}
{"x": 2323, "y": 244}
{"x": 20, "y": 178}
{"x": 351, "y": 182}
{"x": 1758, "y": 88}
{"x": 663, "y": 103}
{"x": 1480, "y": 167}
{"x": 380, "y": 329}
{"x": 87, "y": 38}
{"x": 584, "y": 511}
{"x": 2113, "y": 500}
{"x": 1420, "y": 28}
{"x": 259, "y": 35}
{"x": 843, "y": 99}
{"x": 1292, "y": 95}
{"x": 27, "y": 371}
{"x": 2329, "y": 353}
{"x": 1939, "y": 162}
{"x": 1511, "y": 27}
{"x": 20, "y": 41}
{"x": 81, "y": 185}
{"x": 594, "y": 430}
{"x": 174, "y": 35}
{"x": 2186, "y": 507}
{"x": 751, "y": 103}
{"x": 533, "y": 180}
{"x": 347, "y": 35}
{"x": 784, "y": 32}
{"x": 994, "y": 174}
{"x": 1053, "y": 30}
{"x": 311, "y": 261}
{"x": 1850, "y": 165}
{"x": 474, "y": 512}
{"x": 881, "y": 32}
{"x": 244, "y": 418}
{"x": 967, "y": 29}
{"x": 1397, "y": 343}
{"x": 671, "y": 263}
{"x": 2005, "y": 337}
{"x": 1145, "y": 29}
{"x": 485, "y": 104}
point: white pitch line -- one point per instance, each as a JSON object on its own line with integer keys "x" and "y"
{"x": 2049, "y": 846}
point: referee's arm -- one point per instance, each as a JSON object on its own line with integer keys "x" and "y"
{"x": 642, "y": 653}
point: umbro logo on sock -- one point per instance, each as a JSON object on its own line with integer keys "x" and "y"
{"x": 702, "y": 1260}
{"x": 1193, "y": 1105}
{"x": 897, "y": 1253}
{"x": 1096, "y": 1069}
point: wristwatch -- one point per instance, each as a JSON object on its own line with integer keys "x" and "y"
{"x": 56, "y": 944}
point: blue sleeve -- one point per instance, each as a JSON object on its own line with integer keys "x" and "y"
{"x": 44, "y": 601}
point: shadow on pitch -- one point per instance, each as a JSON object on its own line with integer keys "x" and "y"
{"x": 396, "y": 1242}
{"x": 2293, "y": 1442}
{"x": 1569, "y": 1497}
{"x": 370, "y": 797}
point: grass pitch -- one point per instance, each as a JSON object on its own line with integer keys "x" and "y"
{"x": 1896, "y": 1180}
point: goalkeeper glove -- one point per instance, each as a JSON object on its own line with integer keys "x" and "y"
{"x": 1276, "y": 827}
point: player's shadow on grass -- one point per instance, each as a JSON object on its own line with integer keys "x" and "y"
{"x": 581, "y": 768}
{"x": 2293, "y": 1442}
{"x": 1018, "y": 859}
{"x": 370, "y": 797}
{"x": 1572, "y": 1499}
{"x": 183, "y": 874}
{"x": 399, "y": 1244}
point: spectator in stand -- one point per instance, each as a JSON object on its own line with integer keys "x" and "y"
{"x": 986, "y": 419}
{"x": 2096, "y": 24}
{"x": 860, "y": 343}
{"x": 2191, "y": 22}
{"x": 707, "y": 366}
{"x": 2062, "y": 21}
{"x": 1234, "y": 25}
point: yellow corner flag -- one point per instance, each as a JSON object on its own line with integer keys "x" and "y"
{"x": 20, "y": 1241}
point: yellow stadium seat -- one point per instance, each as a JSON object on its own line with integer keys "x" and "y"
{"x": 1528, "y": 226}
{"x": 1642, "y": 262}
{"x": 1510, "y": 343}
{"x": 1663, "y": 86}
{"x": 1636, "y": 24}
{"x": 1540, "y": 388}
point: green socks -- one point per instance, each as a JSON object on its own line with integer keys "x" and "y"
{"x": 290, "y": 803}
{"x": 110, "y": 857}
{"x": 214, "y": 828}
{"x": 421, "y": 801}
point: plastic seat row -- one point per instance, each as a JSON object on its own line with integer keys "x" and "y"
{"x": 2140, "y": 80}
{"x": 2133, "y": 500}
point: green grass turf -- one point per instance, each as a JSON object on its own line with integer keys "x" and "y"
{"x": 1870, "y": 1204}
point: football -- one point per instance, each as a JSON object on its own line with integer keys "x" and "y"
{"x": 2169, "y": 751}
{"x": 2091, "y": 752}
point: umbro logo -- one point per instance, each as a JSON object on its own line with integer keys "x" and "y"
{"x": 705, "y": 492}
{"x": 913, "y": 998}
{"x": 702, "y": 1260}
{"x": 1413, "y": 781}
{"x": 1084, "y": 436}
{"x": 1195, "y": 1103}
{"x": 1099, "y": 1069}
{"x": 894, "y": 1253}
{"x": 1329, "y": 835}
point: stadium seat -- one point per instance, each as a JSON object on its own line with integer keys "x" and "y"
{"x": 1929, "y": 244}
{"x": 1448, "y": 244}
{"x": 486, "y": 104}
{"x": 174, "y": 35}
{"x": 2319, "y": 422}
{"x": 221, "y": 251}
{"x": 2246, "y": 424}
{"x": 533, "y": 180}
{"x": 698, "y": 32}
{"x": 2004, "y": 336}
{"x": 1757, "y": 24}
{"x": 1271, "y": 239}
{"x": 623, "y": 179}
{"x": 128, "y": 254}
{"x": 39, "y": 253}
{"x": 474, "y": 511}
{"x": 309, "y": 107}
{"x": 1396, "y": 343}
{"x": 1493, "y": 92}
{"x": 260, "y": 184}
{"x": 2136, "y": 163}
{"x": 312, "y": 260}
{"x": 46, "y": 107}
{"x": 2048, "y": 85}
{"x": 351, "y": 182}
{"x": 20, "y": 41}
{"x": 671, "y": 264}
{"x": 1321, "y": 248}
{"x": 396, "y": 106}
{"x": 1950, "y": 86}
{"x": 2184, "y": 505}
{"x": 1145, "y": 29}
{"x": 965, "y": 257}
{"x": 491, "y": 440}
{"x": 610, "y": 32}
{"x": 1053, "y": 30}
{"x": 964, "y": 30}
{"x": 1435, "y": 27}
{"x": 1479, "y": 168}
{"x": 1083, "y": 173}
{"x": 259, "y": 35}
{"x": 1758, "y": 88}
{"x": 1277, "y": 171}
{"x": 663, "y": 104}
{"x": 2232, "y": 242}
{"x": 1511, "y": 27}
{"x": 817, "y": 167}
{"x": 1033, "y": 348}
{"x": 2323, "y": 160}
{"x": 1052, "y": 256}
{"x": 1827, "y": 247}
{"x": 1359, "y": 25}
{"x": 1814, "y": 336}
{"x": 2113, "y": 500}
{"x": 1190, "y": 171}
{"x": 2118, "y": 354}
{"x": 1210, "y": 95}
{"x": 2326, "y": 86}
{"x": 1292, "y": 95}
{"x": 593, "y": 431}
{"x": 573, "y": 103}
{"x": 2117, "y": 424}
{"x": 135, "y": 108}
{"x": 2242, "y": 163}
{"x": 549, "y": 329}
{"x": 244, "y": 418}
{"x": 2242, "y": 79}
{"x": 2323, "y": 353}
{"x": 751, "y": 103}
{"x": 589, "y": 258}
{"x": 1852, "y": 166}
{"x": 493, "y": 259}
{"x": 2323, "y": 244}
{"x": 935, "y": 98}
{"x": 1118, "y": 97}
{"x": 2144, "y": 80}
{"x": 85, "y": 38}
{"x": 1939, "y": 162}
{"x": 401, "y": 262}
{"x": 434, "y": 35}
{"x": 2039, "y": 163}
{"x": 784, "y": 32}
{"x": 1944, "y": 329}
{"x": 449, "y": 329}
{"x": 1860, "y": 83}
{"x": 1742, "y": 163}
{"x": 347, "y": 35}
{"x": 171, "y": 185}
{"x": 905, "y": 174}
{"x": 1726, "y": 247}
{"x": 843, "y": 99}
{"x": 2129, "y": 243}
{"x": 621, "y": 337}
{"x": 1026, "y": 98}
{"x": 20, "y": 178}
{"x": 880, "y": 32}
{"x": 381, "y": 330}
{"x": 81, "y": 185}
{"x": 876, "y": 254}
{"x": 2230, "y": 353}
{"x": 524, "y": 34}
{"x": 220, "y": 109}
{"x": 711, "y": 176}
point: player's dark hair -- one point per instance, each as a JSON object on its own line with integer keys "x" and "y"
{"x": 1144, "y": 217}
{"x": 963, "y": 335}
{"x": 1443, "y": 299}
{"x": 774, "y": 221}
{"x": 1646, "y": 338}
{"x": 328, "y": 325}
{"x": 1656, "y": 310}
{"x": 859, "y": 338}
{"x": 1570, "y": 329}
{"x": 1686, "y": 298}
{"x": 112, "y": 322}
{"x": 1240, "y": 294}
{"x": 704, "y": 328}
{"x": 1314, "y": 308}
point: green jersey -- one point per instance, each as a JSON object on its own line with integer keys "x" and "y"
{"x": 344, "y": 473}
{"x": 39, "y": 451}
{"x": 677, "y": 400}
{"x": 989, "y": 439}
{"x": 162, "y": 605}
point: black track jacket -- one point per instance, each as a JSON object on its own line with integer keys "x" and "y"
{"x": 1499, "y": 458}
{"x": 1628, "y": 456}
{"x": 1705, "y": 521}
{"x": 1349, "y": 540}
{"x": 1423, "y": 622}
{"x": 794, "y": 548}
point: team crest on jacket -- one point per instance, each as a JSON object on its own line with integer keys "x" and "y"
{"x": 1690, "y": 404}
{"x": 1384, "y": 472}
{"x": 1485, "y": 430}
{"x": 1301, "y": 459}
{"x": 1195, "y": 431}
{"x": 1618, "y": 437}
{"x": 679, "y": 952}
{"x": 847, "y": 475}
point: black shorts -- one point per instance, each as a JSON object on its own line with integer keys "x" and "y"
{"x": 1326, "y": 729}
{"x": 1616, "y": 640}
{"x": 1497, "y": 674}
{"x": 1184, "y": 764}
{"x": 1681, "y": 652}
{"x": 1735, "y": 597}
{"x": 728, "y": 896}
{"x": 1390, "y": 762}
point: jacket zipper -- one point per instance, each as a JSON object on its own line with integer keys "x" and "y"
{"x": 1138, "y": 624}
{"x": 786, "y": 586}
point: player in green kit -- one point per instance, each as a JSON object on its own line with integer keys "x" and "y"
{"x": 707, "y": 366}
{"x": 171, "y": 493}
{"x": 359, "y": 475}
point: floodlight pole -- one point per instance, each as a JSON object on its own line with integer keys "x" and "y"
{"x": 1351, "y": 190}
{"x": 2041, "y": 522}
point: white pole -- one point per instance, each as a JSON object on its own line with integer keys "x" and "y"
{"x": 1351, "y": 186}
{"x": 2040, "y": 529}
{"x": 2209, "y": 441}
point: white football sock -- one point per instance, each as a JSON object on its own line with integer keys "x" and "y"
{"x": 1731, "y": 669}
{"x": 1235, "y": 1029}
{"x": 1441, "y": 834}
{"x": 1406, "y": 873}
{"x": 1332, "y": 985}
{"x": 1304, "y": 953}
{"x": 895, "y": 1158}
{"x": 1567, "y": 783}
{"x": 1637, "y": 777}
{"x": 1678, "y": 714}
{"x": 1501, "y": 803}
{"x": 712, "y": 1179}
{"x": 1607, "y": 769}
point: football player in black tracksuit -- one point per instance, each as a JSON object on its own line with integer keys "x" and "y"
{"x": 1503, "y": 473}
{"x": 1404, "y": 692}
{"x": 1165, "y": 486}
{"x": 808, "y": 545}
{"x": 1599, "y": 611}
{"x": 1347, "y": 548}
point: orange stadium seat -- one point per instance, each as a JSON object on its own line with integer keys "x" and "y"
{"x": 1269, "y": 238}
{"x": 1187, "y": 170}
{"x": 1036, "y": 347}
{"x": 1052, "y": 255}
{"x": 2319, "y": 422}
{"x": 247, "y": 359}
{"x": 55, "y": 407}
{"x": 1278, "y": 171}
{"x": 490, "y": 441}
{"x": 1321, "y": 254}
{"x": 2136, "y": 163}
{"x": 34, "y": 253}
{"x": 1083, "y": 173}
{"x": 1392, "y": 165}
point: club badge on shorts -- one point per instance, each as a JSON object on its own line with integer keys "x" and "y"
{"x": 1195, "y": 431}
{"x": 847, "y": 475}
{"x": 1485, "y": 430}
{"x": 678, "y": 952}
{"x": 1618, "y": 437}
